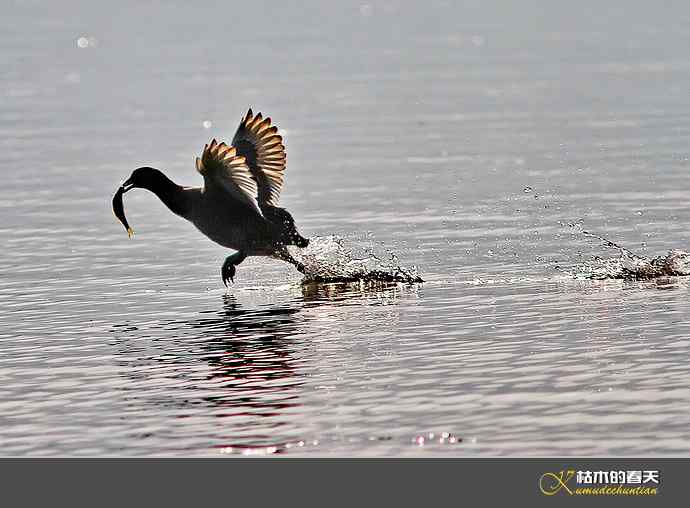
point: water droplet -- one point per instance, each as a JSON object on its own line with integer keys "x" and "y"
{"x": 478, "y": 40}
{"x": 87, "y": 42}
{"x": 527, "y": 189}
{"x": 640, "y": 212}
{"x": 207, "y": 124}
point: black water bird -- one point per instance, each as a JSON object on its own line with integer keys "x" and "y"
{"x": 238, "y": 205}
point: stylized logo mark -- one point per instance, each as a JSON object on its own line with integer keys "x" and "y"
{"x": 552, "y": 483}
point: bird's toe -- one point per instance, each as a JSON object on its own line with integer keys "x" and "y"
{"x": 228, "y": 272}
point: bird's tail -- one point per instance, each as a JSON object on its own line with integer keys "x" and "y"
{"x": 300, "y": 241}
{"x": 290, "y": 235}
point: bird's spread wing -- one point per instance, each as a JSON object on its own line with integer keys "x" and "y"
{"x": 260, "y": 144}
{"x": 222, "y": 166}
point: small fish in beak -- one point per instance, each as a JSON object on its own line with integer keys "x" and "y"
{"x": 119, "y": 209}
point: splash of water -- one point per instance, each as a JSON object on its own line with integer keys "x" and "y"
{"x": 629, "y": 265}
{"x": 329, "y": 259}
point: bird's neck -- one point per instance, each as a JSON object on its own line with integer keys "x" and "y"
{"x": 172, "y": 195}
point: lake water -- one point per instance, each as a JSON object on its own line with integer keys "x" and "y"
{"x": 463, "y": 139}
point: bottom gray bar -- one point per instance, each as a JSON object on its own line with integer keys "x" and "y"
{"x": 361, "y": 482}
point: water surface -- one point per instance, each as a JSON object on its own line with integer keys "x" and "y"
{"x": 461, "y": 138}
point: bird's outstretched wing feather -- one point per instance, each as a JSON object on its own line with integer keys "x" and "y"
{"x": 222, "y": 166}
{"x": 260, "y": 144}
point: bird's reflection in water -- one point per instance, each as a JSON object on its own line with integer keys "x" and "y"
{"x": 251, "y": 356}
{"x": 256, "y": 364}
{"x": 250, "y": 371}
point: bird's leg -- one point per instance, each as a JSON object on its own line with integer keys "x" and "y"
{"x": 228, "y": 270}
{"x": 283, "y": 254}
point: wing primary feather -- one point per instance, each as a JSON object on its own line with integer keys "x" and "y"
{"x": 262, "y": 146}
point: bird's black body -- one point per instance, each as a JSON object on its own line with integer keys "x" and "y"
{"x": 235, "y": 227}
{"x": 228, "y": 223}
{"x": 236, "y": 207}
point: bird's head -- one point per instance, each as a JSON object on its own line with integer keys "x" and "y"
{"x": 143, "y": 178}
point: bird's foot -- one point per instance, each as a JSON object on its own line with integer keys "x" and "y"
{"x": 228, "y": 271}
